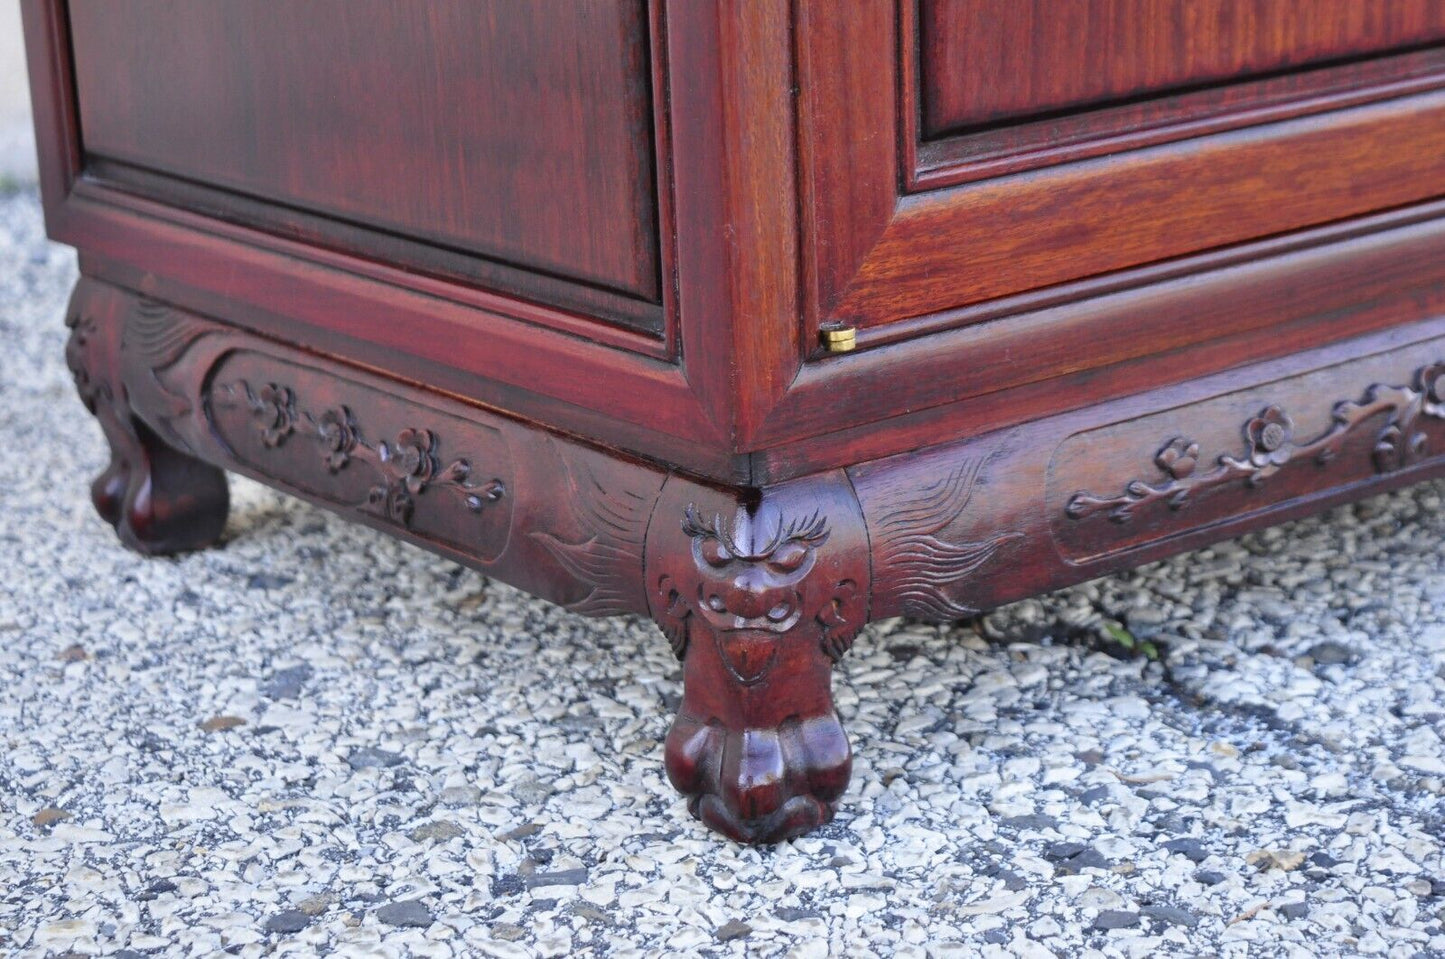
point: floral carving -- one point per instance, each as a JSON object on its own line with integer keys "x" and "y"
{"x": 409, "y": 465}
{"x": 339, "y": 436}
{"x": 1270, "y": 436}
{"x": 275, "y": 409}
{"x": 1271, "y": 445}
{"x": 1432, "y": 380}
{"x": 1178, "y": 458}
{"x": 413, "y": 459}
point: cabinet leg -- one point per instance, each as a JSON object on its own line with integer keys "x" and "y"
{"x": 159, "y": 499}
{"x": 759, "y": 600}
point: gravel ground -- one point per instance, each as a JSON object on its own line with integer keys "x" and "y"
{"x": 319, "y": 739}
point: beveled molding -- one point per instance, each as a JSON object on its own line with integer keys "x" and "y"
{"x": 759, "y": 591}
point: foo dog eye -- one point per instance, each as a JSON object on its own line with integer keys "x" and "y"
{"x": 714, "y": 553}
{"x": 789, "y": 557}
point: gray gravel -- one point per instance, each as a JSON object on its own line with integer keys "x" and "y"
{"x": 319, "y": 739}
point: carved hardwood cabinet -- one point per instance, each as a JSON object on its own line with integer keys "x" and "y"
{"x": 763, "y": 318}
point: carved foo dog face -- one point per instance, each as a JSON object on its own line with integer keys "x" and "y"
{"x": 747, "y": 583}
{"x": 751, "y": 572}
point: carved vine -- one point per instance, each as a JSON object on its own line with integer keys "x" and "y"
{"x": 408, "y": 465}
{"x": 909, "y": 545}
{"x": 1270, "y": 446}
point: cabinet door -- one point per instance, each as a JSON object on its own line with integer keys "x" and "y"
{"x": 963, "y": 151}
{"x": 502, "y": 143}
{"x": 1025, "y": 206}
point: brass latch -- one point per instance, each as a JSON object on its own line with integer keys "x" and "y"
{"x": 839, "y": 338}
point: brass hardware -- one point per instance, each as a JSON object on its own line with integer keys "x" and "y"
{"x": 838, "y": 338}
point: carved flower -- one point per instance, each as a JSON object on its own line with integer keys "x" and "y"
{"x": 1270, "y": 437}
{"x": 1432, "y": 382}
{"x": 339, "y": 436}
{"x": 413, "y": 459}
{"x": 275, "y": 410}
{"x": 1178, "y": 458}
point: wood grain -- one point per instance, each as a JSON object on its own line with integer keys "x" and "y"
{"x": 522, "y": 139}
{"x": 991, "y": 61}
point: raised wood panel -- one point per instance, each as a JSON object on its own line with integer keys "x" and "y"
{"x": 524, "y": 140}
{"x": 986, "y": 62}
{"x": 882, "y": 257}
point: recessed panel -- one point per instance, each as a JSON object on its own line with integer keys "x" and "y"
{"x": 521, "y": 137}
{"x": 989, "y": 62}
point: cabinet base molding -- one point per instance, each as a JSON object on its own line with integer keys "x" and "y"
{"x": 760, "y": 591}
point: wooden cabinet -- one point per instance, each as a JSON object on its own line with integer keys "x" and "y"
{"x": 949, "y": 199}
{"x": 761, "y": 318}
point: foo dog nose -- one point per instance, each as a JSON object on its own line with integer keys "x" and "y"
{"x": 747, "y": 603}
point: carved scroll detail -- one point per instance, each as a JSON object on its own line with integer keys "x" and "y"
{"x": 1271, "y": 446}
{"x": 610, "y": 559}
{"x": 924, "y": 564}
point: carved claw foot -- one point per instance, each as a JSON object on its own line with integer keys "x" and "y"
{"x": 760, "y": 785}
{"x": 159, "y": 499}
{"x": 759, "y": 600}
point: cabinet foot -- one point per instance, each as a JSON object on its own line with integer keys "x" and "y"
{"x": 759, "y": 600}
{"x": 159, "y": 499}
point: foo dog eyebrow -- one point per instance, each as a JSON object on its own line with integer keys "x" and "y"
{"x": 811, "y": 530}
